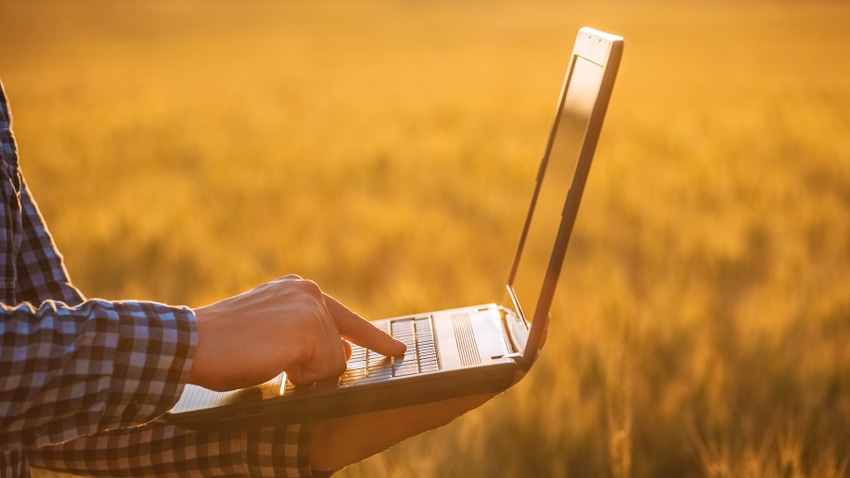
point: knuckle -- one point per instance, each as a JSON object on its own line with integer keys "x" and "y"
{"x": 310, "y": 288}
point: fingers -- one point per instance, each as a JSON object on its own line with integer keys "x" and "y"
{"x": 361, "y": 332}
{"x": 327, "y": 356}
{"x": 339, "y": 442}
{"x": 348, "y": 351}
{"x": 356, "y": 328}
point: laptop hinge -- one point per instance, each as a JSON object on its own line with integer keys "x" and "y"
{"x": 517, "y": 331}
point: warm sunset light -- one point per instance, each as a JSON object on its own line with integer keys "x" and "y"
{"x": 387, "y": 149}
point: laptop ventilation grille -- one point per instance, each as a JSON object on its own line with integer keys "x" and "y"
{"x": 465, "y": 339}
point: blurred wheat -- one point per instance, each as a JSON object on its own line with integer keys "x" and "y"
{"x": 182, "y": 151}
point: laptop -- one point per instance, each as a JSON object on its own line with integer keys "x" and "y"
{"x": 467, "y": 350}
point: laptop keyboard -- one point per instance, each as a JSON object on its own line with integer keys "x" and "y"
{"x": 416, "y": 332}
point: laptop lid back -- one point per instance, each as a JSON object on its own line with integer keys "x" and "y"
{"x": 561, "y": 179}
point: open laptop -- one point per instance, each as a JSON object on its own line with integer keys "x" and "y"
{"x": 468, "y": 350}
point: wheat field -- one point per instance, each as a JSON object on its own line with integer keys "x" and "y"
{"x": 183, "y": 151}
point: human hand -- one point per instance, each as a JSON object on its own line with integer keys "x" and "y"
{"x": 339, "y": 442}
{"x": 284, "y": 325}
{"x": 296, "y": 328}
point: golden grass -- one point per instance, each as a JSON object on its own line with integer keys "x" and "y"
{"x": 182, "y": 152}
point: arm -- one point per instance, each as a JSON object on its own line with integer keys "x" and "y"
{"x": 313, "y": 353}
{"x": 162, "y": 450}
{"x": 275, "y": 311}
{"x": 72, "y": 367}
{"x": 294, "y": 327}
{"x": 71, "y": 371}
{"x": 111, "y": 351}
{"x": 129, "y": 360}
{"x": 77, "y": 368}
{"x": 159, "y": 450}
{"x": 69, "y": 368}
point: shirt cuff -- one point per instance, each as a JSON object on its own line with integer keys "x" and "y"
{"x": 156, "y": 344}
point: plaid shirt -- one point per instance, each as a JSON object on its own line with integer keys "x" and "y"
{"x": 82, "y": 382}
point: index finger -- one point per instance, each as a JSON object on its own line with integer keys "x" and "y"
{"x": 360, "y": 331}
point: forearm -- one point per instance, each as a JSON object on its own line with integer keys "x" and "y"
{"x": 74, "y": 371}
{"x": 162, "y": 450}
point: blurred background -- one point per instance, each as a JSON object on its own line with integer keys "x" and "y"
{"x": 185, "y": 151}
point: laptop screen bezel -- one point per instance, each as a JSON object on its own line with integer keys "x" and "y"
{"x": 605, "y": 51}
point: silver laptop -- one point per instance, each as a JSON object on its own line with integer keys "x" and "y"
{"x": 468, "y": 350}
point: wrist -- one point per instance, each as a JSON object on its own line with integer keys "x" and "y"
{"x": 197, "y": 359}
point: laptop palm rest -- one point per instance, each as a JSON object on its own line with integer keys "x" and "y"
{"x": 470, "y": 336}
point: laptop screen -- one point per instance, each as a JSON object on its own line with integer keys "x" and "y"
{"x": 573, "y": 137}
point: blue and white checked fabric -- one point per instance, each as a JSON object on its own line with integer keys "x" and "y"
{"x": 82, "y": 382}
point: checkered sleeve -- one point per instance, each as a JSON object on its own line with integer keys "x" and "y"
{"x": 72, "y": 371}
{"x": 72, "y": 367}
{"x": 82, "y": 381}
{"x": 41, "y": 272}
{"x": 159, "y": 449}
